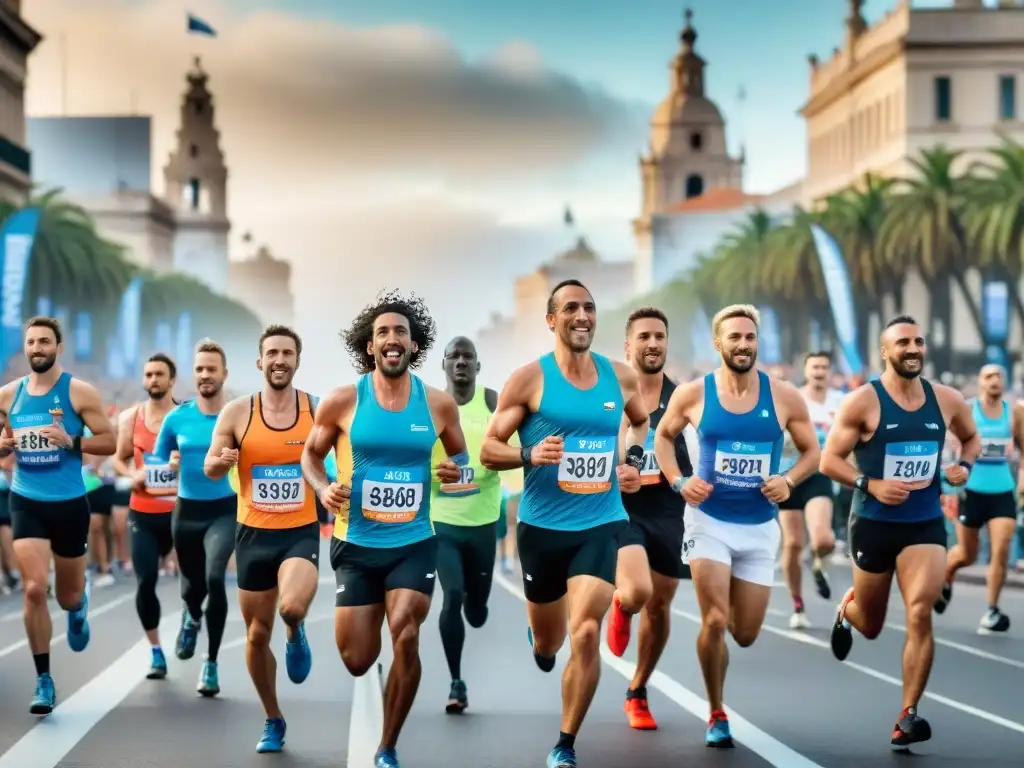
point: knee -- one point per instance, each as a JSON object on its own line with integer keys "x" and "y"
{"x": 69, "y": 599}
{"x": 215, "y": 583}
{"x": 585, "y": 639}
{"x": 258, "y": 634}
{"x": 792, "y": 550}
{"x": 968, "y": 551}
{"x": 405, "y": 638}
{"x": 658, "y": 610}
{"x": 636, "y": 594}
{"x": 715, "y": 622}
{"x": 357, "y": 662}
{"x": 96, "y": 525}
{"x": 292, "y": 612}
{"x": 919, "y": 618}
{"x": 744, "y": 637}
{"x": 452, "y": 602}
{"x": 476, "y": 615}
{"x": 35, "y": 591}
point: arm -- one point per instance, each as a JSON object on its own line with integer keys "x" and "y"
{"x": 673, "y": 421}
{"x": 224, "y": 438}
{"x": 86, "y": 400}
{"x": 446, "y": 412}
{"x": 634, "y": 410}
{"x": 124, "y": 457}
{"x": 513, "y": 405}
{"x": 843, "y": 438}
{"x": 167, "y": 440}
{"x": 961, "y": 424}
{"x": 801, "y": 430}
{"x": 1017, "y": 420}
{"x": 324, "y": 436}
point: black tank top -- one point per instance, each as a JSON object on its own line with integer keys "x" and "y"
{"x": 656, "y": 497}
{"x": 906, "y": 446}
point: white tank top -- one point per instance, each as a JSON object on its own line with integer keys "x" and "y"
{"x": 823, "y": 415}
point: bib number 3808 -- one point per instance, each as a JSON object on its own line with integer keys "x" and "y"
{"x": 392, "y": 495}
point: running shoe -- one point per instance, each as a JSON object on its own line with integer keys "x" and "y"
{"x": 841, "y": 638}
{"x": 910, "y": 729}
{"x": 619, "y": 628}
{"x": 158, "y": 666}
{"x": 994, "y": 621}
{"x": 562, "y": 757}
{"x": 78, "y": 625}
{"x": 947, "y": 594}
{"x": 458, "y": 701}
{"x": 637, "y": 713}
{"x": 298, "y": 657}
{"x": 272, "y": 739}
{"x": 821, "y": 582}
{"x": 386, "y": 758}
{"x": 185, "y": 646}
{"x": 45, "y": 698}
{"x": 718, "y": 734}
{"x": 544, "y": 663}
{"x": 209, "y": 680}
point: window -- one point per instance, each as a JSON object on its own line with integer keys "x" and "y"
{"x": 696, "y": 141}
{"x": 943, "y": 99}
{"x": 193, "y": 194}
{"x": 193, "y": 151}
{"x": 1007, "y": 97}
{"x": 694, "y": 186}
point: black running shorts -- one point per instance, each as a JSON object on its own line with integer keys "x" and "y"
{"x": 549, "y": 558}
{"x": 875, "y": 544}
{"x": 65, "y": 524}
{"x": 365, "y": 574}
{"x": 662, "y": 539}
{"x": 978, "y": 508}
{"x": 814, "y": 487}
{"x": 259, "y": 553}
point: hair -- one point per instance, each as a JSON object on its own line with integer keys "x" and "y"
{"x": 211, "y": 346}
{"x": 41, "y": 321}
{"x": 819, "y": 353}
{"x": 552, "y": 306}
{"x": 277, "y": 329}
{"x": 645, "y": 313}
{"x": 900, "y": 320}
{"x": 160, "y": 357}
{"x": 421, "y": 327}
{"x": 748, "y": 311}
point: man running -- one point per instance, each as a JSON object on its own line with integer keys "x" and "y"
{"x": 740, "y": 415}
{"x": 990, "y": 497}
{"x": 650, "y": 556}
{"x": 811, "y": 501}
{"x": 465, "y": 515}
{"x": 384, "y": 554}
{"x": 278, "y": 538}
{"x": 895, "y": 426}
{"x": 45, "y": 415}
{"x": 8, "y": 578}
{"x": 568, "y": 409}
{"x": 154, "y": 488}
{"x": 204, "y": 518}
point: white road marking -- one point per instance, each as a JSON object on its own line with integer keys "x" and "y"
{"x": 366, "y": 719}
{"x": 62, "y": 637}
{"x": 773, "y": 751}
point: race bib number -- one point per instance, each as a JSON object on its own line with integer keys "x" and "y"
{"x": 587, "y": 465}
{"x": 650, "y": 473}
{"x": 466, "y": 486}
{"x": 277, "y": 488}
{"x": 741, "y": 464}
{"x": 161, "y": 480}
{"x": 33, "y": 448}
{"x": 911, "y": 462}
{"x": 994, "y": 449}
{"x": 392, "y": 495}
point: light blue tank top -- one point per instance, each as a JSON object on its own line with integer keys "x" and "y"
{"x": 583, "y": 490}
{"x": 391, "y": 451}
{"x": 43, "y": 472}
{"x": 5, "y": 483}
{"x": 189, "y": 431}
{"x": 991, "y": 472}
{"x": 738, "y": 452}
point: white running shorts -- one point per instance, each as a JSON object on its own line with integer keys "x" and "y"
{"x": 749, "y": 550}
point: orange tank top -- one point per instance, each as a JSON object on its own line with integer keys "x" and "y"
{"x": 272, "y": 494}
{"x": 161, "y": 481}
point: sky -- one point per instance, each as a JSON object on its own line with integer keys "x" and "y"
{"x": 432, "y": 146}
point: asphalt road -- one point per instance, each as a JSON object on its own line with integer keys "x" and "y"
{"x": 791, "y": 703}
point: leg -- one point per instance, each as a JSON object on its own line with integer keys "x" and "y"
{"x": 874, "y": 546}
{"x": 451, "y": 572}
{"x": 219, "y": 546}
{"x": 711, "y": 582}
{"x": 1001, "y": 531}
{"x": 119, "y": 529}
{"x": 545, "y": 556}
{"x": 818, "y": 515}
{"x": 652, "y": 635}
{"x": 98, "y": 542}
{"x": 632, "y": 588}
{"x": 589, "y": 598}
{"x": 298, "y": 579}
{"x": 919, "y": 572}
{"x": 146, "y": 552}
{"x": 359, "y": 604}
{"x": 792, "y": 524}
{"x": 191, "y": 556}
{"x": 68, "y": 523}
{"x": 258, "y": 609}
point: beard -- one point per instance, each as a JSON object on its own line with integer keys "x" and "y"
{"x": 644, "y": 366}
{"x": 279, "y": 385}
{"x": 393, "y": 369}
{"x": 735, "y": 367}
{"x": 900, "y": 367}
{"x": 42, "y": 365}
{"x": 209, "y": 389}
{"x": 157, "y": 394}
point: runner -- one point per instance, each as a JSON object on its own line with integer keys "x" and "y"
{"x": 385, "y": 555}
{"x": 651, "y": 549}
{"x": 465, "y": 516}
{"x": 155, "y": 486}
{"x": 98, "y": 476}
{"x": 990, "y": 497}
{"x": 278, "y": 539}
{"x": 203, "y": 525}
{"x": 568, "y": 409}
{"x": 811, "y": 501}
{"x": 45, "y": 415}
{"x": 896, "y": 523}
{"x": 9, "y": 581}
{"x": 740, "y": 415}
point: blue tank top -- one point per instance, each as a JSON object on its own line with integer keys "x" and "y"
{"x": 991, "y": 472}
{"x": 391, "y": 452}
{"x": 738, "y": 452}
{"x": 5, "y": 483}
{"x": 43, "y": 472}
{"x": 189, "y": 431}
{"x": 906, "y": 446}
{"x": 583, "y": 490}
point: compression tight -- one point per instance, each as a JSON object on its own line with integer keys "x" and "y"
{"x": 151, "y": 540}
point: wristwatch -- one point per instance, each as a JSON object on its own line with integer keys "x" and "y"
{"x": 861, "y": 483}
{"x": 524, "y": 455}
{"x": 677, "y": 484}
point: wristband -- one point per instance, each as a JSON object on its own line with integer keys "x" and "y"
{"x": 965, "y": 464}
{"x": 524, "y": 455}
{"x": 460, "y": 459}
{"x": 76, "y": 444}
{"x": 789, "y": 481}
{"x": 635, "y": 457}
{"x": 861, "y": 483}
{"x": 677, "y": 484}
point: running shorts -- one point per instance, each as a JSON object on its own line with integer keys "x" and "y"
{"x": 549, "y": 558}
{"x": 874, "y": 545}
{"x": 259, "y": 553}
{"x": 364, "y": 575}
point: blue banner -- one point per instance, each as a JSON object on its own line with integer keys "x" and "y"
{"x": 83, "y": 336}
{"x": 769, "y": 338}
{"x": 197, "y": 26}
{"x": 183, "y": 355}
{"x": 995, "y": 301}
{"x": 164, "y": 338}
{"x": 700, "y": 338}
{"x": 815, "y": 335}
{"x": 115, "y": 361}
{"x": 840, "y": 298}
{"x": 18, "y": 235}
{"x": 129, "y": 325}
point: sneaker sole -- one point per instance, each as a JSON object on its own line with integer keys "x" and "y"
{"x": 456, "y": 707}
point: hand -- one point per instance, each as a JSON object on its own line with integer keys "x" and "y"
{"x": 7, "y": 445}
{"x": 891, "y": 492}
{"x": 57, "y": 436}
{"x": 950, "y": 506}
{"x": 335, "y": 496}
{"x": 547, "y": 451}
{"x": 696, "y": 491}
{"x": 957, "y": 475}
{"x": 629, "y": 478}
{"x": 139, "y": 480}
{"x": 448, "y": 472}
{"x": 227, "y": 459}
{"x": 776, "y": 489}
{"x": 174, "y": 462}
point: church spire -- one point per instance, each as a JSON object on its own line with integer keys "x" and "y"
{"x": 688, "y": 67}
{"x": 856, "y": 25}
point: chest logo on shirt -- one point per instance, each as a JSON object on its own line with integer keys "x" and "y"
{"x": 609, "y": 406}
{"x": 294, "y": 442}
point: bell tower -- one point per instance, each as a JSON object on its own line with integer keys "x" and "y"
{"x": 195, "y": 186}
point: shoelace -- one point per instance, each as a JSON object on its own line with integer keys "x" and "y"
{"x": 270, "y": 729}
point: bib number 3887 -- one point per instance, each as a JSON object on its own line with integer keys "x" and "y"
{"x": 587, "y": 465}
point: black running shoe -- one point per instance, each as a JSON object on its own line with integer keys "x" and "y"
{"x": 457, "y": 699}
{"x": 910, "y": 729}
{"x": 841, "y": 638}
{"x": 821, "y": 582}
{"x": 944, "y": 598}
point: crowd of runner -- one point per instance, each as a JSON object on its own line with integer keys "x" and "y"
{"x": 604, "y": 482}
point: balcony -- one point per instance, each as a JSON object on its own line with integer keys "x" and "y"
{"x": 15, "y": 156}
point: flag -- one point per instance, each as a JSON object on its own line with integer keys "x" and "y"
{"x": 197, "y": 26}
{"x": 840, "y": 297}
{"x": 16, "y": 240}
{"x": 129, "y": 324}
{"x": 568, "y": 217}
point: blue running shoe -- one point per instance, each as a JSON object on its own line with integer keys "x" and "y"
{"x": 562, "y": 757}
{"x": 45, "y": 698}
{"x": 209, "y": 682}
{"x": 298, "y": 657}
{"x": 386, "y": 758}
{"x": 273, "y": 735}
{"x": 544, "y": 663}
{"x": 185, "y": 646}
{"x": 78, "y": 626}
{"x": 718, "y": 733}
{"x": 158, "y": 667}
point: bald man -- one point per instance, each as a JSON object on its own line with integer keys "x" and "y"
{"x": 990, "y": 497}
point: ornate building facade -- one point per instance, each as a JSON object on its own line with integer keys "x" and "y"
{"x": 18, "y": 42}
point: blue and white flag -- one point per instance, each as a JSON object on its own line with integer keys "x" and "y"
{"x": 129, "y": 325}
{"x": 197, "y": 26}
{"x": 164, "y": 337}
{"x": 16, "y": 240}
{"x": 700, "y": 338}
{"x": 840, "y": 298}
{"x": 184, "y": 341}
{"x": 83, "y": 336}
{"x": 769, "y": 340}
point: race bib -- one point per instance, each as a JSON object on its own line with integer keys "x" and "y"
{"x": 277, "y": 487}
{"x": 994, "y": 449}
{"x": 741, "y": 464}
{"x": 392, "y": 495}
{"x": 650, "y": 473}
{"x": 33, "y": 449}
{"x": 587, "y": 464}
{"x": 466, "y": 486}
{"x": 911, "y": 462}
{"x": 161, "y": 480}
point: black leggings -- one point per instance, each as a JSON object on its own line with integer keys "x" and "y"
{"x": 204, "y": 538}
{"x": 465, "y": 567}
{"x": 151, "y": 540}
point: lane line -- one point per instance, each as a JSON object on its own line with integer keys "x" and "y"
{"x": 59, "y": 613}
{"x": 799, "y": 637}
{"x": 768, "y": 748}
{"x": 366, "y": 718}
{"x": 106, "y": 607}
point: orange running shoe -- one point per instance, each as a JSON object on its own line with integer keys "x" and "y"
{"x": 619, "y": 628}
{"x": 637, "y": 713}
